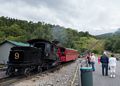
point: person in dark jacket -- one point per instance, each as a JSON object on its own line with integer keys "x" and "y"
{"x": 104, "y": 60}
{"x": 88, "y": 60}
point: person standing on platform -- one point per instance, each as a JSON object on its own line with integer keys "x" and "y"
{"x": 92, "y": 57}
{"x": 88, "y": 59}
{"x": 104, "y": 60}
{"x": 112, "y": 65}
{"x": 98, "y": 59}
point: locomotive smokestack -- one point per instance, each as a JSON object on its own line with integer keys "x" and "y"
{"x": 55, "y": 42}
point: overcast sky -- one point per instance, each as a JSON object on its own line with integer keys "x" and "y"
{"x": 94, "y": 16}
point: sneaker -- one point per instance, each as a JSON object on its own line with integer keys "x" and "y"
{"x": 114, "y": 76}
{"x": 111, "y": 76}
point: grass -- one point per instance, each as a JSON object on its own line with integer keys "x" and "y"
{"x": 2, "y": 65}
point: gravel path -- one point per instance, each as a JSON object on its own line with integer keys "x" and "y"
{"x": 60, "y": 77}
{"x": 99, "y": 80}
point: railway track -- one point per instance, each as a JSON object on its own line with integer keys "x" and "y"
{"x": 7, "y": 81}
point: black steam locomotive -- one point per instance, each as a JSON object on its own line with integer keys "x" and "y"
{"x": 41, "y": 54}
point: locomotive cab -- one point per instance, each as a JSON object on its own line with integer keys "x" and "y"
{"x": 46, "y": 47}
{"x": 48, "y": 52}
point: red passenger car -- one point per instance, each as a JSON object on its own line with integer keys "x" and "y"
{"x": 67, "y": 54}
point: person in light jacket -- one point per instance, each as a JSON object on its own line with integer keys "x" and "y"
{"x": 112, "y": 65}
{"x": 92, "y": 60}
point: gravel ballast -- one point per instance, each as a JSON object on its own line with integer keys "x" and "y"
{"x": 61, "y": 77}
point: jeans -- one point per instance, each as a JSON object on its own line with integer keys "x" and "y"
{"x": 112, "y": 70}
{"x": 93, "y": 65}
{"x": 105, "y": 69}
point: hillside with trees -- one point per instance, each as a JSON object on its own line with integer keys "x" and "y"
{"x": 112, "y": 41}
{"x": 22, "y": 30}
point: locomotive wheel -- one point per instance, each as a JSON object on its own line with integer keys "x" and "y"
{"x": 27, "y": 72}
{"x": 10, "y": 71}
{"x": 47, "y": 67}
{"x": 39, "y": 69}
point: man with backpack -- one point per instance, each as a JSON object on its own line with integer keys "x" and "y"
{"x": 104, "y": 60}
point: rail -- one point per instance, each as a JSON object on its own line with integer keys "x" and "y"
{"x": 6, "y": 81}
